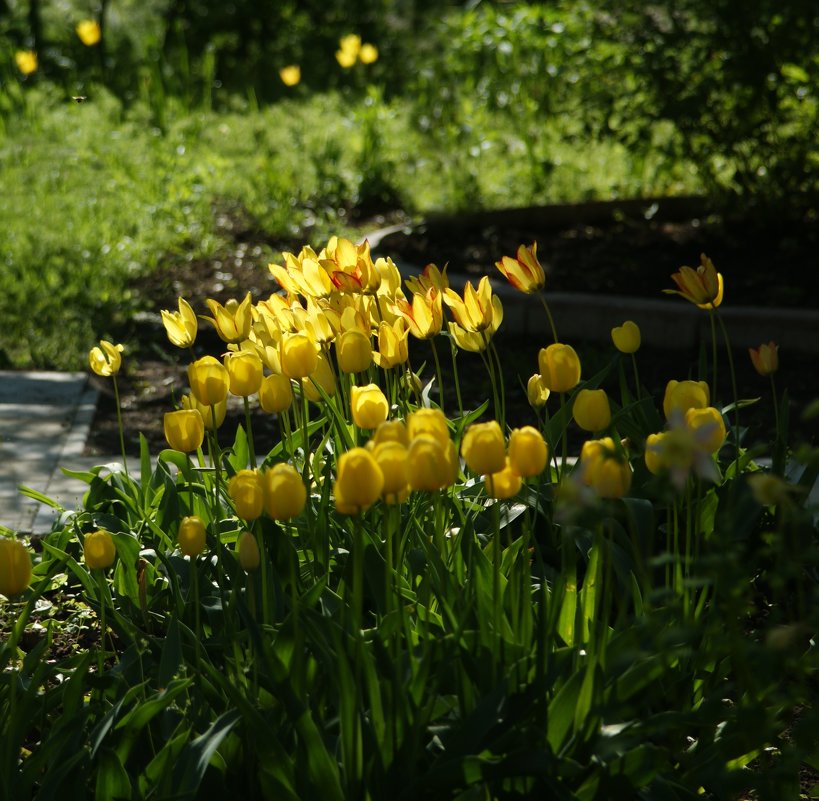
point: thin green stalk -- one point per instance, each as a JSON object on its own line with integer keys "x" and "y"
{"x": 438, "y": 373}
{"x": 197, "y": 619}
{"x": 99, "y": 576}
{"x": 712, "y": 314}
{"x": 453, "y": 352}
{"x": 549, "y": 315}
{"x": 119, "y": 424}
{"x": 636, "y": 377}
{"x": 249, "y": 429}
{"x": 490, "y": 369}
{"x": 502, "y": 388}
{"x": 776, "y": 408}
{"x": 265, "y": 590}
{"x": 733, "y": 381}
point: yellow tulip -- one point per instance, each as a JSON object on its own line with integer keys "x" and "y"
{"x": 105, "y": 360}
{"x": 209, "y": 381}
{"x": 233, "y": 320}
{"x": 528, "y": 452}
{"x": 370, "y": 406}
{"x": 591, "y": 410}
{"x": 284, "y": 492}
{"x": 245, "y": 490}
{"x": 298, "y": 355}
{"x": 322, "y": 377}
{"x": 475, "y": 311}
{"x": 503, "y": 484}
{"x": 99, "y": 551}
{"x": 684, "y": 395}
{"x": 430, "y": 422}
{"x": 275, "y": 394}
{"x": 392, "y": 345}
{"x": 626, "y": 337}
{"x": 349, "y": 48}
{"x": 391, "y": 431}
{"x": 189, "y": 402}
{"x": 536, "y": 392}
{"x": 604, "y": 469}
{"x": 427, "y": 468}
{"x": 248, "y": 550}
{"x": 191, "y": 536}
{"x": 89, "y": 32}
{"x": 654, "y": 459}
{"x": 181, "y": 326}
{"x": 703, "y": 286}
{"x": 245, "y": 372}
{"x": 483, "y": 448}
{"x": 765, "y": 358}
{"x": 392, "y": 458}
{"x": 524, "y": 272}
{"x": 707, "y": 426}
{"x": 15, "y": 567}
{"x": 26, "y": 61}
{"x": 359, "y": 481}
{"x": 354, "y": 351}
{"x": 424, "y": 316}
{"x": 559, "y": 367}
{"x": 290, "y": 75}
{"x": 430, "y": 276}
{"x": 184, "y": 429}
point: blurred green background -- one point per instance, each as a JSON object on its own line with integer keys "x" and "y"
{"x": 188, "y": 138}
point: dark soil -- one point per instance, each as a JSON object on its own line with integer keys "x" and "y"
{"x": 773, "y": 266}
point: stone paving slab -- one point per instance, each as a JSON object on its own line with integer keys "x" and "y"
{"x": 44, "y": 423}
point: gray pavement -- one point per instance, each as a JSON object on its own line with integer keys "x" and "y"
{"x": 44, "y": 424}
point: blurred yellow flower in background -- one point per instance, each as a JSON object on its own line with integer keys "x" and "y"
{"x": 368, "y": 54}
{"x": 89, "y": 32}
{"x": 290, "y": 75}
{"x": 26, "y": 61}
{"x": 765, "y": 358}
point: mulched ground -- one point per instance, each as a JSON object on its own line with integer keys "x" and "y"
{"x": 763, "y": 265}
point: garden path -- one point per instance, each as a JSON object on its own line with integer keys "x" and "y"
{"x": 44, "y": 423}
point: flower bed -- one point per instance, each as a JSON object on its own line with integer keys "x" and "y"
{"x": 401, "y": 598}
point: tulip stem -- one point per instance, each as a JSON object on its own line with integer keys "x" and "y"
{"x": 100, "y": 578}
{"x": 453, "y": 351}
{"x": 197, "y": 620}
{"x": 636, "y": 377}
{"x": 249, "y": 427}
{"x": 119, "y": 423}
{"x": 502, "y": 393}
{"x": 733, "y": 382}
{"x": 438, "y": 373}
{"x": 712, "y": 313}
{"x": 549, "y": 316}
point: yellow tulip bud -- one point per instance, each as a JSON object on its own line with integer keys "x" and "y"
{"x": 248, "y": 550}
{"x": 368, "y": 53}
{"x": 655, "y": 461}
{"x": 354, "y": 351}
{"x": 275, "y": 394}
{"x": 184, "y": 429}
{"x": 536, "y": 392}
{"x": 284, "y": 492}
{"x": 524, "y": 272}
{"x": 702, "y": 286}
{"x": 191, "y": 536}
{"x": 15, "y": 567}
{"x": 428, "y": 421}
{"x": 245, "y": 490}
{"x": 708, "y": 428}
{"x": 605, "y": 470}
{"x": 359, "y": 481}
{"x": 99, "y": 550}
{"x": 26, "y": 61}
{"x": 290, "y": 75}
{"x": 427, "y": 468}
{"x": 765, "y": 358}
{"x": 559, "y": 367}
{"x": 299, "y": 356}
{"x": 528, "y": 452}
{"x": 626, "y": 337}
{"x": 209, "y": 381}
{"x": 591, "y": 410}
{"x": 685, "y": 395}
{"x": 503, "y": 484}
{"x": 391, "y": 431}
{"x": 369, "y": 405}
{"x": 392, "y": 345}
{"x": 483, "y": 448}
{"x": 245, "y": 372}
{"x": 105, "y": 360}
{"x": 206, "y": 412}
{"x": 182, "y": 326}
{"x": 392, "y": 458}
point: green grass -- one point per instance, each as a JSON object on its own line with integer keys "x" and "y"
{"x": 99, "y": 196}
